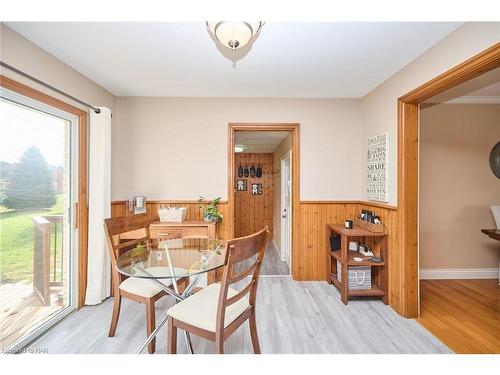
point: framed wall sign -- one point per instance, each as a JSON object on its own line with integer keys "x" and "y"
{"x": 241, "y": 185}
{"x": 256, "y": 189}
{"x": 377, "y": 168}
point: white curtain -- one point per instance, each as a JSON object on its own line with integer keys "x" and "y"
{"x": 99, "y": 193}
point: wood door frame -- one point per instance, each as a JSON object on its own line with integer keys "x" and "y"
{"x": 293, "y": 128}
{"x": 82, "y": 206}
{"x": 287, "y": 156}
{"x": 408, "y": 164}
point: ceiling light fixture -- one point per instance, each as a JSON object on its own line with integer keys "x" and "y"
{"x": 239, "y": 148}
{"x": 234, "y": 35}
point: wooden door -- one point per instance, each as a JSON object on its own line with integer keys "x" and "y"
{"x": 253, "y": 209}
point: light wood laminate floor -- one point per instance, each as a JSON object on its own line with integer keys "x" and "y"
{"x": 272, "y": 264}
{"x": 292, "y": 317}
{"x": 464, "y": 314}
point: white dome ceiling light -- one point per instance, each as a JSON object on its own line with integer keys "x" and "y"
{"x": 234, "y": 35}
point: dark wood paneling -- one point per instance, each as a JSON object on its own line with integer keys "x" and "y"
{"x": 254, "y": 212}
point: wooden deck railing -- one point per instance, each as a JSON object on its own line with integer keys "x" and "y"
{"x": 47, "y": 252}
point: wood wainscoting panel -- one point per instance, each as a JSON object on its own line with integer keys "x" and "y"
{"x": 254, "y": 212}
{"x": 309, "y": 257}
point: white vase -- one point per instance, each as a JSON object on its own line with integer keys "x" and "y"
{"x": 495, "y": 210}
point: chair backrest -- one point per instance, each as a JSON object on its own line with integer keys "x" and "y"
{"x": 239, "y": 250}
{"x": 116, "y": 227}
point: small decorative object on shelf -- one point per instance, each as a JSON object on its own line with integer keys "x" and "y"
{"x": 140, "y": 204}
{"x": 210, "y": 212}
{"x": 246, "y": 172}
{"x": 376, "y": 228}
{"x": 369, "y": 221}
{"x": 130, "y": 205}
{"x": 365, "y": 250}
{"x": 348, "y": 224}
{"x": 353, "y": 245}
{"x": 240, "y": 171}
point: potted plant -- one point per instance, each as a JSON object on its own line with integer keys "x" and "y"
{"x": 210, "y": 212}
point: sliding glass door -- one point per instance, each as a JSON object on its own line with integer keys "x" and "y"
{"x": 37, "y": 235}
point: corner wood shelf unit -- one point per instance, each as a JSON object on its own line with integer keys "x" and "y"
{"x": 378, "y": 244}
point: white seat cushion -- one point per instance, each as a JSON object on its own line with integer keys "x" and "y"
{"x": 200, "y": 310}
{"x": 146, "y": 287}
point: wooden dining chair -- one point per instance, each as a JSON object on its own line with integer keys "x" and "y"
{"x": 124, "y": 233}
{"x": 217, "y": 310}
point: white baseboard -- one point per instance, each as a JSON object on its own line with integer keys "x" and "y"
{"x": 277, "y": 249}
{"x": 463, "y": 273}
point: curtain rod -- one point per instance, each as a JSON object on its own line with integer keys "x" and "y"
{"x": 26, "y": 75}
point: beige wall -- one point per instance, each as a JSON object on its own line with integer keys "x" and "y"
{"x": 176, "y": 148}
{"x": 282, "y": 149}
{"x": 457, "y": 186}
{"x": 380, "y": 106}
{"x": 26, "y": 56}
{"x": 333, "y": 137}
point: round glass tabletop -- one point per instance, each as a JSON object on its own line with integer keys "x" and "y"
{"x": 170, "y": 259}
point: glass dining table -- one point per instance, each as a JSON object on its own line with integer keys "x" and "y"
{"x": 165, "y": 262}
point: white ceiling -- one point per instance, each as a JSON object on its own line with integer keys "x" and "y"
{"x": 329, "y": 60}
{"x": 482, "y": 89}
{"x": 259, "y": 142}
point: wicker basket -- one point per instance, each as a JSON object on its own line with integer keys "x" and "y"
{"x": 172, "y": 214}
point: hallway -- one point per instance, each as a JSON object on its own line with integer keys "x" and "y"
{"x": 273, "y": 265}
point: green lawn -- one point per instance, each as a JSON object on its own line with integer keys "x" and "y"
{"x": 16, "y": 242}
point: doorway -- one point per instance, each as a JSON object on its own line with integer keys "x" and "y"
{"x": 39, "y": 156}
{"x": 408, "y": 143}
{"x": 263, "y": 188}
{"x": 286, "y": 208}
{"x": 458, "y": 263}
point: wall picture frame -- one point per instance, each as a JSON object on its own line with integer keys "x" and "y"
{"x": 257, "y": 189}
{"x": 377, "y": 171}
{"x": 241, "y": 185}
